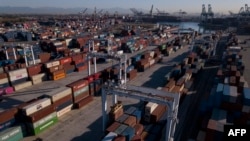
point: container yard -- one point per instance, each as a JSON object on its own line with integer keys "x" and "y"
{"x": 103, "y": 77}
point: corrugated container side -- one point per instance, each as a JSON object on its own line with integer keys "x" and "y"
{"x": 38, "y": 105}
{"x": 11, "y": 134}
{"x": 120, "y": 129}
{"x": 113, "y": 127}
{"x": 59, "y": 93}
{"x": 64, "y": 110}
{"x": 43, "y": 120}
{"x": 44, "y": 126}
{"x": 41, "y": 114}
{"x": 22, "y": 85}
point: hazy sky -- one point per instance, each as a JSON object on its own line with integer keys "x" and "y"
{"x": 189, "y": 6}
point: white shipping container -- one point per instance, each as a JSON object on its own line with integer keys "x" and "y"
{"x": 150, "y": 107}
{"x": 68, "y": 41}
{"x": 57, "y": 43}
{"x": 36, "y": 62}
{"x": 18, "y": 76}
{"x": 22, "y": 85}
{"x": 64, "y": 110}
{"x": 152, "y": 53}
{"x": 4, "y": 80}
{"x": 59, "y": 93}
{"x": 17, "y": 72}
{"x": 109, "y": 137}
{"x": 42, "y": 76}
{"x": 36, "y": 106}
{"x": 52, "y": 64}
{"x": 151, "y": 62}
{"x": 76, "y": 50}
{"x": 36, "y": 81}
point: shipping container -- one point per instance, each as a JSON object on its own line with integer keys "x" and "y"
{"x": 41, "y": 113}
{"x": 150, "y": 107}
{"x": 42, "y": 121}
{"x": 58, "y": 93}
{"x": 11, "y": 134}
{"x": 4, "y": 81}
{"x": 120, "y": 129}
{"x": 43, "y": 127}
{"x": 84, "y": 102}
{"x": 52, "y": 64}
{"x": 58, "y": 76}
{"x": 17, "y": 72}
{"x": 113, "y": 127}
{"x": 8, "y": 123}
{"x": 14, "y": 78}
{"x": 35, "y": 69}
{"x": 109, "y": 137}
{"x": 22, "y": 85}
{"x": 65, "y": 110}
{"x": 36, "y": 106}
{"x": 78, "y": 84}
{"x": 128, "y": 133}
{"x": 122, "y": 118}
{"x": 130, "y": 110}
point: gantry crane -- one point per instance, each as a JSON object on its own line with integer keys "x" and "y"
{"x": 171, "y": 100}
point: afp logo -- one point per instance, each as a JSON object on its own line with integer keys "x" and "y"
{"x": 236, "y": 132}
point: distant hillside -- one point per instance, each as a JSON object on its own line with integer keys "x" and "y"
{"x": 55, "y": 10}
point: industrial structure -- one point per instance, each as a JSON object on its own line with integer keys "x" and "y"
{"x": 206, "y": 16}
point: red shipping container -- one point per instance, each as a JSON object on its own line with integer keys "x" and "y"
{"x": 81, "y": 68}
{"x": 3, "y": 75}
{"x": 35, "y": 69}
{"x": 78, "y": 84}
{"x": 89, "y": 79}
{"x": 113, "y": 127}
{"x": 62, "y": 100}
{"x": 97, "y": 75}
{"x": 41, "y": 113}
{"x": 84, "y": 102}
{"x": 77, "y": 57}
{"x": 138, "y": 129}
{"x": 81, "y": 97}
{"x": 7, "y": 114}
{"x": 65, "y": 60}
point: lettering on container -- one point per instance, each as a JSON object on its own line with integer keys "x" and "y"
{"x": 10, "y": 134}
{"x": 19, "y": 76}
{"x": 39, "y": 106}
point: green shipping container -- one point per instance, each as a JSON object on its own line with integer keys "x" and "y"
{"x": 42, "y": 121}
{"x": 45, "y": 126}
{"x": 11, "y": 134}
